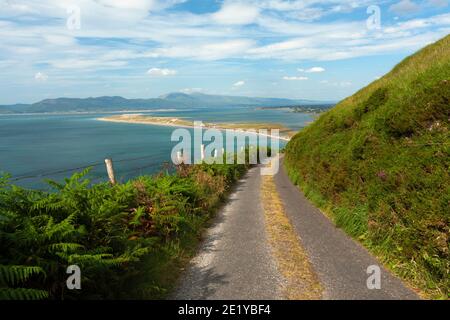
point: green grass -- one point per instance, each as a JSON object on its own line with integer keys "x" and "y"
{"x": 379, "y": 163}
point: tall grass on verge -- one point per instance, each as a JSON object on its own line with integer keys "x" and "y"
{"x": 129, "y": 240}
{"x": 379, "y": 164}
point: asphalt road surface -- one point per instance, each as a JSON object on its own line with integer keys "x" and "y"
{"x": 235, "y": 261}
{"x": 340, "y": 262}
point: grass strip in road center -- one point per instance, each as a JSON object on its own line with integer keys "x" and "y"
{"x": 300, "y": 280}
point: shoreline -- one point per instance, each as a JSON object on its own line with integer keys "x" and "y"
{"x": 185, "y": 125}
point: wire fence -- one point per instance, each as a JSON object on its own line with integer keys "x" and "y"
{"x": 126, "y": 172}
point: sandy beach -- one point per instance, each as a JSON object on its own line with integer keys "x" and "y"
{"x": 285, "y": 133}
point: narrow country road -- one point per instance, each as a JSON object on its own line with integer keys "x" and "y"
{"x": 236, "y": 260}
{"x": 339, "y": 261}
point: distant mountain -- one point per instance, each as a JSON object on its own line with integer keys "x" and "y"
{"x": 205, "y": 100}
{"x": 171, "y": 100}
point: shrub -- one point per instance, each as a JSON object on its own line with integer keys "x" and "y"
{"x": 109, "y": 231}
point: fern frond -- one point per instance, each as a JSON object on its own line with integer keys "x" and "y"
{"x": 65, "y": 247}
{"x": 60, "y": 230}
{"x": 140, "y": 212}
{"x": 102, "y": 259}
{"x": 22, "y": 294}
{"x": 14, "y": 275}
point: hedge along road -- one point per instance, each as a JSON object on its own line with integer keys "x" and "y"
{"x": 242, "y": 256}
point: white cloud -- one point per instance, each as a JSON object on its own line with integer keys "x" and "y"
{"x": 191, "y": 90}
{"x": 404, "y": 7}
{"x": 342, "y": 84}
{"x": 295, "y": 78}
{"x": 206, "y": 51}
{"x": 126, "y": 38}
{"x": 39, "y": 76}
{"x": 313, "y": 70}
{"x": 22, "y": 50}
{"x": 311, "y": 9}
{"x": 157, "y": 72}
{"x": 236, "y": 14}
{"x": 438, "y": 3}
{"x": 141, "y": 5}
{"x": 183, "y": 35}
{"x": 239, "y": 84}
{"x": 349, "y": 40}
{"x": 59, "y": 40}
{"x": 129, "y": 4}
{"x": 345, "y": 84}
{"x": 83, "y": 63}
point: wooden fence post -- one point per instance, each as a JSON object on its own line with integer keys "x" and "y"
{"x": 179, "y": 157}
{"x": 203, "y": 152}
{"x": 110, "y": 170}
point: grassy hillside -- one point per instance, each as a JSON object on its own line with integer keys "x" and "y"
{"x": 378, "y": 164}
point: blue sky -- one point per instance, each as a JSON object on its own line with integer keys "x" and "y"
{"x": 310, "y": 49}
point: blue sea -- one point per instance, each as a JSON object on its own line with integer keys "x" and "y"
{"x": 38, "y": 147}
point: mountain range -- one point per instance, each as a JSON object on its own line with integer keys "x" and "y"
{"x": 171, "y": 100}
